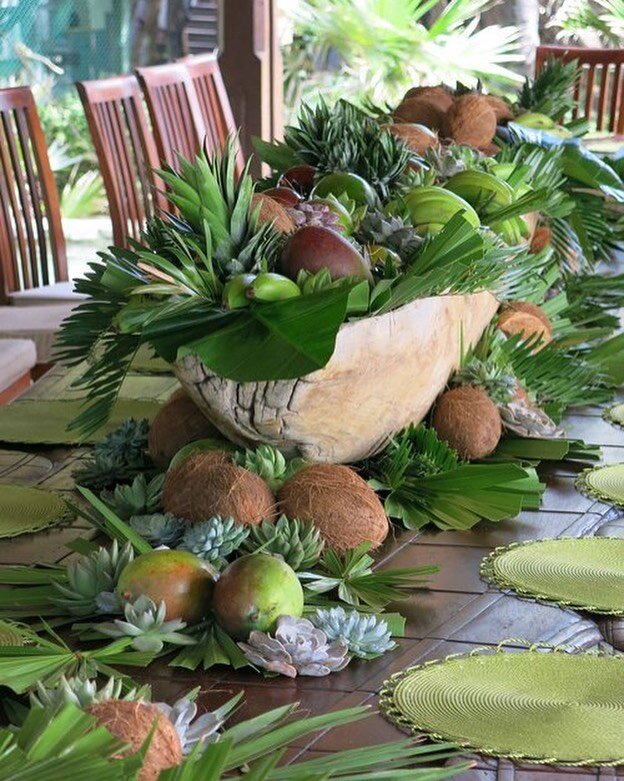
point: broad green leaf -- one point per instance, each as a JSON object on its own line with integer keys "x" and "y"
{"x": 280, "y": 340}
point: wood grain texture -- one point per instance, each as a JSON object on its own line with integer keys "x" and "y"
{"x": 347, "y": 410}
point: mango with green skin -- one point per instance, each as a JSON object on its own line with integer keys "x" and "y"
{"x": 253, "y": 592}
{"x": 355, "y": 187}
{"x": 181, "y": 580}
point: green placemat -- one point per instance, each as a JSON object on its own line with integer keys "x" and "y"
{"x": 24, "y": 510}
{"x": 549, "y": 707}
{"x": 615, "y": 415}
{"x": 603, "y": 482}
{"x": 145, "y": 362}
{"x": 45, "y": 422}
{"x": 585, "y": 573}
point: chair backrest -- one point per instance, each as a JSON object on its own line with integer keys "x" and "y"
{"x": 32, "y": 245}
{"x": 174, "y": 110}
{"x": 126, "y": 153}
{"x": 599, "y": 93}
{"x": 213, "y": 101}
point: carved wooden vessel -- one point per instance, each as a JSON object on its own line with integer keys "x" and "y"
{"x": 385, "y": 373}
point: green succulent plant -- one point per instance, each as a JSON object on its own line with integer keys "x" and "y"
{"x": 299, "y": 543}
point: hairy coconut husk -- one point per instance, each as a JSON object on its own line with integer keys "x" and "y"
{"x": 272, "y": 211}
{"x": 502, "y": 110}
{"x": 490, "y": 150}
{"x": 467, "y": 419}
{"x": 471, "y": 121}
{"x": 132, "y": 722}
{"x": 206, "y": 484}
{"x": 439, "y": 95}
{"x": 420, "y": 111}
{"x": 526, "y": 319}
{"x": 177, "y": 424}
{"x": 418, "y": 138}
{"x": 541, "y": 239}
{"x": 342, "y": 506}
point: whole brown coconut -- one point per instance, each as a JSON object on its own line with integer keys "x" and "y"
{"x": 470, "y": 121}
{"x": 272, "y": 211}
{"x": 541, "y": 239}
{"x": 132, "y": 722}
{"x": 420, "y": 111}
{"x": 315, "y": 247}
{"x": 203, "y": 486}
{"x": 418, "y": 138}
{"x": 284, "y": 195}
{"x": 177, "y": 424}
{"x": 526, "y": 319}
{"x": 502, "y": 110}
{"x": 467, "y": 419}
{"x": 439, "y": 95}
{"x": 338, "y": 502}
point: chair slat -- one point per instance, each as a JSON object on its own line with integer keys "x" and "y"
{"x": 32, "y": 245}
{"x": 214, "y": 102}
{"x": 174, "y": 111}
{"x": 126, "y": 152}
{"x": 608, "y": 106}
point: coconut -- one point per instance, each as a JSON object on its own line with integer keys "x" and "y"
{"x": 439, "y": 95}
{"x": 206, "y": 484}
{"x": 471, "y": 121}
{"x": 178, "y": 423}
{"x": 343, "y": 507}
{"x": 502, "y": 110}
{"x": 420, "y": 111}
{"x": 272, "y": 211}
{"x": 490, "y": 150}
{"x": 541, "y": 239}
{"x": 526, "y": 319}
{"x": 132, "y": 722}
{"x": 418, "y": 138}
{"x": 467, "y": 419}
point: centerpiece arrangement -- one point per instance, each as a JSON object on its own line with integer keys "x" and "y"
{"x": 386, "y": 330}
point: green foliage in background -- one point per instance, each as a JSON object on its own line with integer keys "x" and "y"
{"x": 377, "y": 49}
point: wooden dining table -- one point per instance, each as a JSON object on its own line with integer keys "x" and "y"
{"x": 456, "y": 613}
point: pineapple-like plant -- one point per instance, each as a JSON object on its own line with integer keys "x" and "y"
{"x": 119, "y": 457}
{"x": 497, "y": 381}
{"x": 210, "y": 197}
{"x": 366, "y": 636}
{"x": 91, "y": 581}
{"x": 214, "y": 539}
{"x": 141, "y": 497}
{"x": 550, "y": 92}
{"x": 269, "y": 463}
{"x": 299, "y": 543}
{"x": 394, "y": 232}
{"x": 159, "y": 528}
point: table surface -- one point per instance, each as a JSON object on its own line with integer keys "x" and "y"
{"x": 456, "y": 614}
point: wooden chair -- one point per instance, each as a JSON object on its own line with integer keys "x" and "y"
{"x": 33, "y": 262}
{"x": 214, "y": 102}
{"x": 126, "y": 153}
{"x": 174, "y": 110}
{"x": 600, "y": 91}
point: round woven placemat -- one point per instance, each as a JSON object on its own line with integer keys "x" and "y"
{"x": 586, "y": 573}
{"x": 24, "y": 510}
{"x": 615, "y": 415}
{"x": 546, "y": 707}
{"x": 603, "y": 482}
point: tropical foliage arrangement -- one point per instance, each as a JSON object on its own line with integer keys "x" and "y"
{"x": 451, "y": 193}
{"x": 72, "y": 729}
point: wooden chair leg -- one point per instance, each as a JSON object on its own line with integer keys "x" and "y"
{"x": 16, "y": 388}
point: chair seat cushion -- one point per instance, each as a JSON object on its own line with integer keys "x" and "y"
{"x": 59, "y": 292}
{"x": 17, "y": 356}
{"x": 38, "y": 323}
